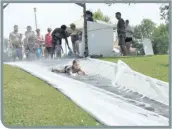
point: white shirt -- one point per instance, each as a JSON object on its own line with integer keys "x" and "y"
{"x": 129, "y": 31}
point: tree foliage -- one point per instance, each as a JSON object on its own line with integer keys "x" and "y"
{"x": 98, "y": 15}
{"x": 160, "y": 41}
{"x": 145, "y": 29}
{"x": 158, "y": 36}
{"x": 164, "y": 12}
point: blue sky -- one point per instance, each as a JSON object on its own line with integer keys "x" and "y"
{"x": 54, "y": 15}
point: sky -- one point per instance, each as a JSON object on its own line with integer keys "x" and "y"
{"x": 56, "y": 14}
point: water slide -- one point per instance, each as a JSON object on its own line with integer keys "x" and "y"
{"x": 112, "y": 93}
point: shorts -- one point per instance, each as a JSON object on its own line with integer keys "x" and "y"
{"x": 74, "y": 39}
{"x": 128, "y": 39}
{"x": 121, "y": 40}
{"x": 67, "y": 69}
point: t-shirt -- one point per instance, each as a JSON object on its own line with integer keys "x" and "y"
{"x": 48, "y": 40}
{"x": 30, "y": 35}
{"x": 129, "y": 31}
{"x": 30, "y": 40}
{"x": 121, "y": 27}
{"x": 58, "y": 33}
{"x": 39, "y": 43}
{"x": 75, "y": 35}
{"x": 15, "y": 39}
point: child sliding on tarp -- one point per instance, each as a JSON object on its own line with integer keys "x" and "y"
{"x": 74, "y": 69}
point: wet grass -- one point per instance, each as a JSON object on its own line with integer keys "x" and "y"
{"x": 154, "y": 66}
{"x": 29, "y": 101}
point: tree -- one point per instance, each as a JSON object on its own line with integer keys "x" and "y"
{"x": 145, "y": 29}
{"x": 98, "y": 15}
{"x": 164, "y": 12}
{"x": 160, "y": 39}
{"x": 138, "y": 32}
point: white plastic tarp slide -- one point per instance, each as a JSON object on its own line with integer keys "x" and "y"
{"x": 147, "y": 86}
{"x": 108, "y": 108}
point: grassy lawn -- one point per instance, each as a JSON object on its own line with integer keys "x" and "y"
{"x": 154, "y": 66}
{"x": 29, "y": 101}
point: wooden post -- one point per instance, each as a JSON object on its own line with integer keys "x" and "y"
{"x": 35, "y": 18}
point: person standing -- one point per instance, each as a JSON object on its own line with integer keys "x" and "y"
{"x": 129, "y": 35}
{"x": 89, "y": 16}
{"x": 15, "y": 40}
{"x": 57, "y": 35}
{"x": 121, "y": 34}
{"x": 40, "y": 43}
{"x": 74, "y": 38}
{"x": 48, "y": 42}
{"x": 30, "y": 42}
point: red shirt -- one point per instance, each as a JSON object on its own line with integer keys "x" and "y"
{"x": 48, "y": 40}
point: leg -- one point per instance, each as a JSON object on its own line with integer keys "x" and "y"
{"x": 73, "y": 46}
{"x": 52, "y": 52}
{"x": 123, "y": 50}
{"x": 58, "y": 70}
{"x": 77, "y": 47}
{"x": 58, "y": 50}
{"x": 14, "y": 54}
{"x": 48, "y": 50}
{"x": 123, "y": 46}
{"x": 128, "y": 44}
{"x": 128, "y": 41}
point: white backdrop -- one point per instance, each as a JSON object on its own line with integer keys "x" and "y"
{"x": 100, "y": 40}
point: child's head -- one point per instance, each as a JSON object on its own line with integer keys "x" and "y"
{"x": 72, "y": 26}
{"x": 75, "y": 63}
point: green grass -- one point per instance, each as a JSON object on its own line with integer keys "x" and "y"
{"x": 154, "y": 66}
{"x": 28, "y": 101}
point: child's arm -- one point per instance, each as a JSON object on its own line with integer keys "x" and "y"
{"x": 81, "y": 71}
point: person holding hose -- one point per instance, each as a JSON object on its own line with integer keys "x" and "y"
{"x": 57, "y": 35}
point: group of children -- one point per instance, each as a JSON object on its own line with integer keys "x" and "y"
{"x": 40, "y": 46}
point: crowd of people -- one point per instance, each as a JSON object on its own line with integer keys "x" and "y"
{"x": 51, "y": 44}
{"x": 42, "y": 46}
